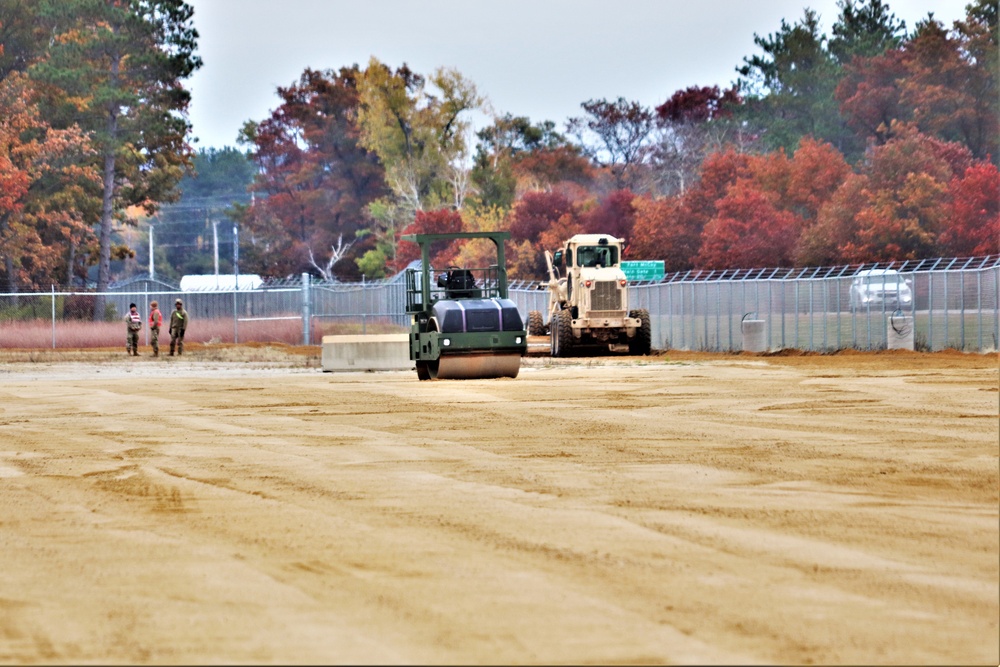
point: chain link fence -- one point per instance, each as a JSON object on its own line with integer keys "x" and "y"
{"x": 949, "y": 303}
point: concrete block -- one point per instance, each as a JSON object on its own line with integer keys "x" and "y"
{"x": 754, "y": 335}
{"x": 899, "y": 332}
{"x": 378, "y": 352}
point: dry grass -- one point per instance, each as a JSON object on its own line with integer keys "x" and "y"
{"x": 272, "y": 354}
{"x": 39, "y": 334}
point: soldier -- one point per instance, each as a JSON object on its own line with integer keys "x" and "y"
{"x": 178, "y": 324}
{"x": 133, "y": 323}
{"x": 155, "y": 322}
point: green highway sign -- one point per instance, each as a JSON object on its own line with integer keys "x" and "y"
{"x": 647, "y": 270}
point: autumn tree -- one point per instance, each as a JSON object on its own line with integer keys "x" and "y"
{"x": 748, "y": 230}
{"x": 539, "y": 221}
{"x": 41, "y": 188}
{"x": 950, "y": 88}
{"x": 869, "y": 94}
{"x": 718, "y": 172}
{"x": 823, "y": 243}
{"x": 614, "y": 215}
{"x": 943, "y": 82}
{"x": 499, "y": 145}
{"x": 116, "y": 69}
{"x": 616, "y": 137}
{"x": 417, "y": 127}
{"x": 973, "y": 220}
{"x": 895, "y": 208}
{"x": 481, "y": 252}
{"x": 314, "y": 180}
{"x": 660, "y": 233}
{"x": 514, "y": 156}
{"x": 442, "y": 253}
{"x": 690, "y": 125}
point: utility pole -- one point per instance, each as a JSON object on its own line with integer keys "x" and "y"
{"x": 215, "y": 239}
{"x": 236, "y": 254}
{"x": 152, "y": 275}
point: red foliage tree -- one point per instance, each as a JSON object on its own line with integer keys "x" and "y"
{"x": 718, "y": 172}
{"x": 747, "y": 231}
{"x": 895, "y": 209}
{"x": 46, "y": 188}
{"x": 822, "y": 243}
{"x": 442, "y": 253}
{"x": 869, "y": 94}
{"x": 659, "y": 233}
{"x": 816, "y": 171}
{"x": 974, "y": 219}
{"x": 315, "y": 177}
{"x": 698, "y": 104}
{"x": 951, "y": 95}
{"x": 535, "y": 212}
{"x": 548, "y": 167}
{"x": 613, "y": 215}
{"x": 533, "y": 215}
{"x": 943, "y": 82}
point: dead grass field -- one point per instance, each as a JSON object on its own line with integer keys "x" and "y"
{"x": 238, "y": 505}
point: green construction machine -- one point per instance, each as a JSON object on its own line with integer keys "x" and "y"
{"x": 463, "y": 325}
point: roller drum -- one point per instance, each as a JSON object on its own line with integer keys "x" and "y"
{"x": 476, "y": 366}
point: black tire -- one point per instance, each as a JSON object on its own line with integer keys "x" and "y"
{"x": 561, "y": 331}
{"x": 642, "y": 342}
{"x": 536, "y": 326}
{"x": 428, "y": 370}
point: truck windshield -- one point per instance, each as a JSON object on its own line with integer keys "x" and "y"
{"x": 594, "y": 255}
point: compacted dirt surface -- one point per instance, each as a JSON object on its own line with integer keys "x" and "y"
{"x": 242, "y": 506}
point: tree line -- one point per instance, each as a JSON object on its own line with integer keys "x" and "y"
{"x": 873, "y": 143}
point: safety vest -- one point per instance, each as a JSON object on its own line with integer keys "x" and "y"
{"x": 159, "y": 319}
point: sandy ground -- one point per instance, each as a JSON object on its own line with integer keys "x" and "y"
{"x": 238, "y": 508}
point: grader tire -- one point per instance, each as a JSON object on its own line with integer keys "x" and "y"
{"x": 642, "y": 342}
{"x": 561, "y": 329}
{"x": 536, "y": 326}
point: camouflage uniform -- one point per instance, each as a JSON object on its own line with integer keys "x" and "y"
{"x": 133, "y": 323}
{"x": 155, "y": 322}
{"x": 178, "y": 324}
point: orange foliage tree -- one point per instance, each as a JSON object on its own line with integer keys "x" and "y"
{"x": 974, "y": 214}
{"x": 442, "y": 253}
{"x": 748, "y": 230}
{"x": 46, "y": 185}
{"x": 551, "y": 214}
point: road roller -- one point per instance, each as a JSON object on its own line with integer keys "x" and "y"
{"x": 463, "y": 326}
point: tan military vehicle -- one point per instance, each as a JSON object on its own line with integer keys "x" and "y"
{"x": 588, "y": 307}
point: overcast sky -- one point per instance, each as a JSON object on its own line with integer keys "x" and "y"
{"x": 535, "y": 58}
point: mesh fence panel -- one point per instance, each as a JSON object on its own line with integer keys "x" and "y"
{"x": 950, "y": 308}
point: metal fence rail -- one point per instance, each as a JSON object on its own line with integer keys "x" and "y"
{"x": 954, "y": 306}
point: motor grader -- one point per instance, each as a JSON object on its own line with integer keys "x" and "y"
{"x": 588, "y": 307}
{"x": 463, "y": 326}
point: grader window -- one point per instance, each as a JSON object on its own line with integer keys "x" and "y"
{"x": 597, "y": 256}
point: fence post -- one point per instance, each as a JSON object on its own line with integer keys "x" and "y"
{"x": 945, "y": 278}
{"x": 979, "y": 306}
{"x": 305, "y": 309}
{"x": 53, "y": 287}
{"x": 961, "y": 295}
